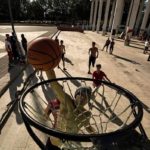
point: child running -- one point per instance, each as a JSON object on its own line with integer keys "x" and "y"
{"x": 111, "y": 49}
{"x": 106, "y": 45}
{"x": 99, "y": 75}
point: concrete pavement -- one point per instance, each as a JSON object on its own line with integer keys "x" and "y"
{"x": 30, "y": 32}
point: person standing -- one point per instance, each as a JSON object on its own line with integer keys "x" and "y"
{"x": 111, "y": 49}
{"x": 99, "y": 75}
{"x": 106, "y": 44}
{"x": 24, "y": 43}
{"x": 62, "y": 48}
{"x": 57, "y": 40}
{"x": 13, "y": 42}
{"x": 93, "y": 54}
{"x": 146, "y": 46}
{"x": 9, "y": 49}
{"x": 148, "y": 58}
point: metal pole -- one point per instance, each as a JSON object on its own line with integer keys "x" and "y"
{"x": 11, "y": 16}
{"x": 13, "y": 28}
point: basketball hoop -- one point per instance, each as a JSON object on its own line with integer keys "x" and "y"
{"x": 110, "y": 115}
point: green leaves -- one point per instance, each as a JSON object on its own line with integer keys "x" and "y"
{"x": 46, "y": 9}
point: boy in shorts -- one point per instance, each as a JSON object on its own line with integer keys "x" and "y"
{"x": 62, "y": 48}
{"x": 93, "y": 54}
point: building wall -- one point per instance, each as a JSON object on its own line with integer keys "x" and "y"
{"x": 121, "y": 14}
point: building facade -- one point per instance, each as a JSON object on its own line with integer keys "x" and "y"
{"x": 116, "y": 15}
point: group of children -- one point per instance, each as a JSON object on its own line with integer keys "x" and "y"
{"x": 81, "y": 93}
{"x": 11, "y": 47}
{"x": 93, "y": 55}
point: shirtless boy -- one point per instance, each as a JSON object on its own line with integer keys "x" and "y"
{"x": 62, "y": 48}
{"x": 93, "y": 54}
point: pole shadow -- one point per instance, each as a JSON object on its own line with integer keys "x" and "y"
{"x": 13, "y": 89}
{"x": 68, "y": 61}
{"x": 47, "y": 90}
{"x": 126, "y": 59}
{"x": 136, "y": 47}
{"x": 75, "y": 82}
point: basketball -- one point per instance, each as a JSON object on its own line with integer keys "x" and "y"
{"x": 44, "y": 54}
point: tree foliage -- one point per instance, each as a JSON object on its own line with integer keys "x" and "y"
{"x": 46, "y": 9}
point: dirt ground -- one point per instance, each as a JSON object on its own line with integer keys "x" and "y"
{"x": 127, "y": 67}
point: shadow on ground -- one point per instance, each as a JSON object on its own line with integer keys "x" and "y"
{"x": 68, "y": 61}
{"x": 13, "y": 89}
{"x": 136, "y": 47}
{"x": 126, "y": 59}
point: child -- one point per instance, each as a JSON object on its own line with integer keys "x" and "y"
{"x": 57, "y": 40}
{"x": 24, "y": 43}
{"x": 99, "y": 75}
{"x": 9, "y": 49}
{"x": 106, "y": 44}
{"x": 53, "y": 107}
{"x": 111, "y": 49}
{"x": 62, "y": 48}
{"x": 93, "y": 54}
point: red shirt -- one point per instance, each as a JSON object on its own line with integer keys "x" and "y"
{"x": 98, "y": 76}
{"x": 54, "y": 104}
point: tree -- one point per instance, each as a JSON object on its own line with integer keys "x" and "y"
{"x": 43, "y": 9}
{"x": 35, "y": 11}
{"x": 74, "y": 9}
{"x": 4, "y": 15}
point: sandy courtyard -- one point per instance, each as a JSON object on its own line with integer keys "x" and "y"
{"x": 127, "y": 67}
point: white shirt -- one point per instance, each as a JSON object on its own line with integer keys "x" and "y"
{"x": 7, "y": 45}
{"x": 146, "y": 44}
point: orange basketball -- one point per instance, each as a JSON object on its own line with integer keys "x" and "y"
{"x": 44, "y": 53}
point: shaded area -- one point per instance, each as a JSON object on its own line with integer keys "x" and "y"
{"x": 47, "y": 91}
{"x": 138, "y": 43}
{"x": 136, "y": 47}
{"x": 15, "y": 93}
{"x": 126, "y": 59}
{"x": 134, "y": 142}
{"x": 75, "y": 82}
{"x": 68, "y": 61}
{"x": 13, "y": 89}
{"x": 3, "y": 66}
